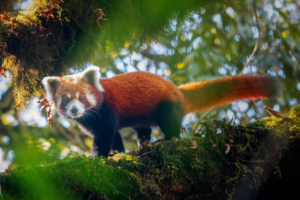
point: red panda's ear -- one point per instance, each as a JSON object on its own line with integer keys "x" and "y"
{"x": 50, "y": 84}
{"x": 91, "y": 75}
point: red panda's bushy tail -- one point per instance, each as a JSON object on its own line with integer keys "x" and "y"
{"x": 208, "y": 94}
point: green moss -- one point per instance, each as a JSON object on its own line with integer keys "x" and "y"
{"x": 71, "y": 178}
{"x": 193, "y": 166}
{"x": 295, "y": 113}
{"x": 257, "y": 123}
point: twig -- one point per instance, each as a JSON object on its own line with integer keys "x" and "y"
{"x": 249, "y": 60}
{"x": 198, "y": 122}
{"x": 252, "y": 54}
{"x": 230, "y": 197}
{"x": 257, "y": 41}
{"x": 144, "y": 154}
{"x": 254, "y": 161}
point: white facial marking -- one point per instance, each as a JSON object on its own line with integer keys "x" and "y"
{"x": 91, "y": 98}
{"x": 75, "y": 104}
{"x": 77, "y": 94}
{"x": 69, "y": 95}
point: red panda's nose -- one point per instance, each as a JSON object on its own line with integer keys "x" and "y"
{"x": 74, "y": 110}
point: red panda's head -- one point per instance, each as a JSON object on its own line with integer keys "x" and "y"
{"x": 73, "y": 96}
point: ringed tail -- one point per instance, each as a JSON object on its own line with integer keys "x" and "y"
{"x": 218, "y": 92}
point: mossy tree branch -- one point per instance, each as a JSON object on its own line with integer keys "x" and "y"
{"x": 222, "y": 161}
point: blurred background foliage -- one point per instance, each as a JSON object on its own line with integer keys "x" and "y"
{"x": 183, "y": 41}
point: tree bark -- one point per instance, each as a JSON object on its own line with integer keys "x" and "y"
{"x": 222, "y": 161}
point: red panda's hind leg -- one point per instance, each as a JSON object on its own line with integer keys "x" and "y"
{"x": 168, "y": 118}
{"x": 143, "y": 134}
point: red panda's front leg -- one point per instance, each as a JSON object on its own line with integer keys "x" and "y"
{"x": 118, "y": 144}
{"x": 103, "y": 132}
{"x": 102, "y": 143}
{"x": 102, "y": 125}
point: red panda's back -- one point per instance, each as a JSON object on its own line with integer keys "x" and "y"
{"x": 138, "y": 93}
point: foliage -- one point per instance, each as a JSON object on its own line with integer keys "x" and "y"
{"x": 193, "y": 167}
{"x": 179, "y": 40}
{"x": 60, "y": 35}
{"x": 202, "y": 39}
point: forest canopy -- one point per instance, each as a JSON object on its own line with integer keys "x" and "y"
{"x": 183, "y": 41}
{"x": 199, "y": 39}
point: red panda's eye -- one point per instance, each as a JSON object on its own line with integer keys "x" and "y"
{"x": 81, "y": 98}
{"x": 66, "y": 100}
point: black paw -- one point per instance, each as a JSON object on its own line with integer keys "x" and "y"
{"x": 113, "y": 152}
{"x": 142, "y": 143}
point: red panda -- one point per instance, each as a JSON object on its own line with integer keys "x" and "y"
{"x": 140, "y": 100}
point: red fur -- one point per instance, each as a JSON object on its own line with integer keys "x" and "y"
{"x": 142, "y": 99}
{"x": 138, "y": 94}
{"x": 80, "y": 86}
{"x": 218, "y": 92}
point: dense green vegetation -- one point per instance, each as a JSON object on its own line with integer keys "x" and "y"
{"x": 183, "y": 41}
{"x": 187, "y": 168}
